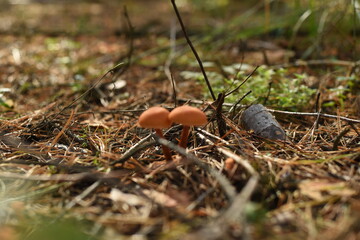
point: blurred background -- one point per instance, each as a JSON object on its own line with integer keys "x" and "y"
{"x": 54, "y": 51}
{"x": 306, "y": 26}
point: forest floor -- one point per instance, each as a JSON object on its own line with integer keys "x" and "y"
{"x": 74, "y": 164}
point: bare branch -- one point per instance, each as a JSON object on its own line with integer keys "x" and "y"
{"x": 193, "y": 49}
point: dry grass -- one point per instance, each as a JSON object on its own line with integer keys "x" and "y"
{"x": 304, "y": 189}
{"x": 89, "y": 165}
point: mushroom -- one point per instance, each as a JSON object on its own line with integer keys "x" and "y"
{"x": 156, "y": 118}
{"x": 187, "y": 116}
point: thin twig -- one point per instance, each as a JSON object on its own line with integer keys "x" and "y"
{"x": 197, "y": 201}
{"x": 218, "y": 113}
{"x": 74, "y": 177}
{"x": 142, "y": 144}
{"x": 129, "y": 54}
{"x": 82, "y": 195}
{"x": 318, "y": 110}
{"x": 45, "y": 121}
{"x": 317, "y": 102}
{"x": 236, "y": 212}
{"x": 316, "y": 123}
{"x": 194, "y": 101}
{"x": 268, "y": 93}
{"x": 232, "y": 216}
{"x": 232, "y": 155}
{"x": 193, "y": 49}
{"x": 113, "y": 69}
{"x": 315, "y": 115}
{"x": 234, "y": 107}
{"x": 322, "y": 62}
{"x": 168, "y": 62}
{"x": 56, "y": 139}
{"x": 338, "y": 138}
{"x": 173, "y": 84}
{"x": 242, "y": 83}
{"x": 355, "y": 129}
{"x": 222, "y": 180}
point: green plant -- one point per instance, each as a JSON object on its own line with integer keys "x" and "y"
{"x": 4, "y": 102}
{"x": 65, "y": 229}
{"x": 345, "y": 87}
{"x": 287, "y": 91}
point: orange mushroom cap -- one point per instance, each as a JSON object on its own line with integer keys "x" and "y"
{"x": 188, "y": 116}
{"x": 155, "y": 117}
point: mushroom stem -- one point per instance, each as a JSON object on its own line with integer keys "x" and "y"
{"x": 165, "y": 149}
{"x": 184, "y": 136}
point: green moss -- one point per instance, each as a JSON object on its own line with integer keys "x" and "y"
{"x": 286, "y": 91}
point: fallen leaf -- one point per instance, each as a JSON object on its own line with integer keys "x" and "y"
{"x": 317, "y": 189}
{"x": 95, "y": 123}
{"x": 131, "y": 199}
{"x": 160, "y": 198}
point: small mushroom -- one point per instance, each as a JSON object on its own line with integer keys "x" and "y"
{"x": 156, "y": 118}
{"x": 187, "y": 116}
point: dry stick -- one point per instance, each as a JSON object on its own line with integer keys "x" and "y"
{"x": 212, "y": 136}
{"x": 318, "y": 110}
{"x": 131, "y": 46}
{"x": 346, "y": 119}
{"x": 222, "y": 180}
{"x": 195, "y": 101}
{"x": 84, "y": 194}
{"x": 77, "y": 200}
{"x": 315, "y": 115}
{"x": 88, "y": 90}
{"x": 18, "y": 122}
{"x": 237, "y": 73}
{"x": 218, "y": 112}
{"x": 355, "y": 16}
{"x": 113, "y": 69}
{"x": 234, "y": 107}
{"x": 338, "y": 138}
{"x": 349, "y": 230}
{"x": 193, "y": 49}
{"x": 355, "y": 129}
{"x": 22, "y": 146}
{"x": 317, "y": 103}
{"x": 267, "y": 10}
{"x": 302, "y": 63}
{"x": 243, "y": 82}
{"x": 74, "y": 177}
{"x": 174, "y": 90}
{"x": 268, "y": 93}
{"x": 27, "y": 195}
{"x": 142, "y": 144}
{"x": 233, "y": 216}
{"x": 265, "y": 57}
{"x": 197, "y": 201}
{"x": 236, "y": 211}
{"x": 56, "y": 139}
{"x": 316, "y": 123}
{"x": 227, "y": 153}
{"x": 202, "y": 102}
{"x": 220, "y": 120}
{"x": 170, "y": 58}
{"x": 224, "y": 74}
